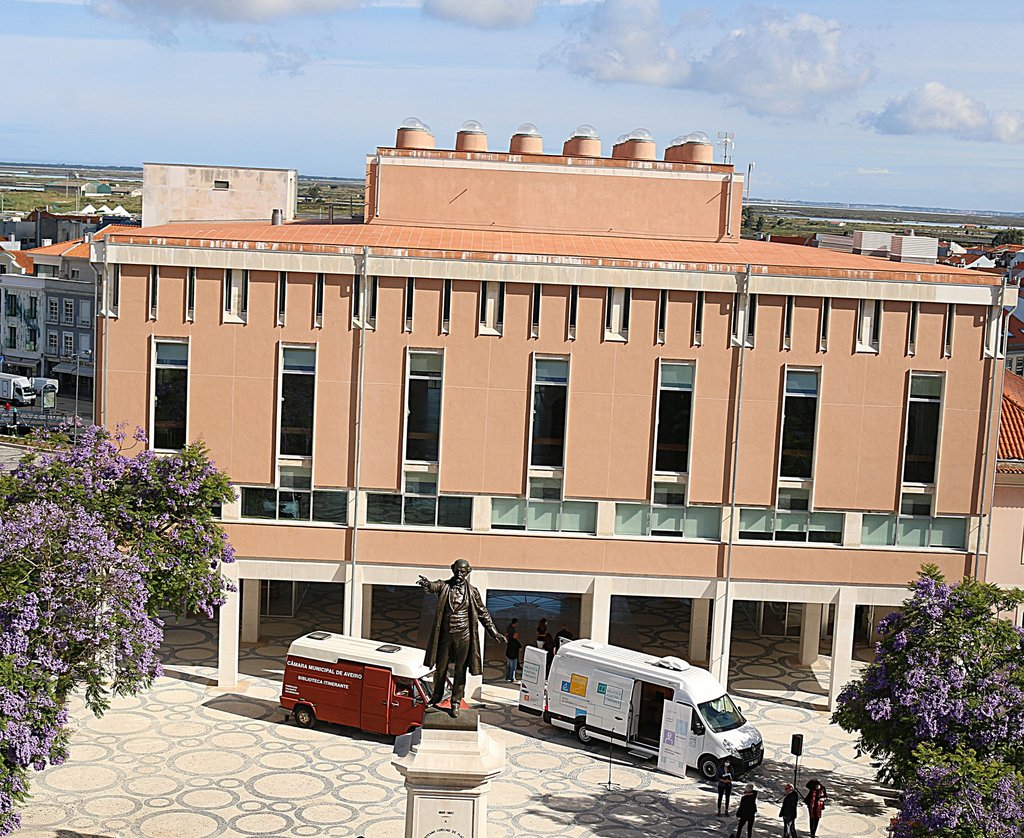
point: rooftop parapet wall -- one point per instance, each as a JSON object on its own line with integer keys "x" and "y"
{"x": 554, "y": 194}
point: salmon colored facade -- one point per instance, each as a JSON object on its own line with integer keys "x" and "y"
{"x": 620, "y": 286}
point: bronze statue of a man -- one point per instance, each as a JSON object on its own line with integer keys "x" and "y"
{"x": 454, "y": 638}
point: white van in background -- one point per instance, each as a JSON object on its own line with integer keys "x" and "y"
{"x": 16, "y": 389}
{"x": 614, "y": 694}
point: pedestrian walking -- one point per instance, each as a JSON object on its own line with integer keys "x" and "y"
{"x": 790, "y": 807}
{"x": 816, "y": 800}
{"x": 511, "y": 628}
{"x": 746, "y": 810}
{"x": 724, "y": 784}
{"x": 512, "y": 648}
{"x": 542, "y": 630}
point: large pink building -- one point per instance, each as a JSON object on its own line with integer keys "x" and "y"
{"x": 569, "y": 369}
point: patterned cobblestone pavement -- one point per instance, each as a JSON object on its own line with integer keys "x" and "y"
{"x": 188, "y": 760}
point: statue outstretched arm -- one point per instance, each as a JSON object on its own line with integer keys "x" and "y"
{"x": 428, "y": 586}
{"x": 484, "y": 616}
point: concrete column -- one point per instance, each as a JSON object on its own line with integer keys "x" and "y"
{"x": 227, "y": 642}
{"x": 700, "y": 625}
{"x": 596, "y": 610}
{"x": 367, "y": 622}
{"x": 721, "y": 634}
{"x": 842, "y": 644}
{"x": 475, "y": 683}
{"x": 250, "y": 610}
{"x": 810, "y": 633}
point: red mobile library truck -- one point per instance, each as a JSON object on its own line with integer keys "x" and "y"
{"x": 373, "y": 686}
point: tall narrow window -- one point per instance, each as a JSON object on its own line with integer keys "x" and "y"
{"x": 115, "y": 291}
{"x": 698, "y": 319}
{"x": 662, "y": 314}
{"x": 535, "y": 311}
{"x": 924, "y": 408}
{"x": 245, "y": 295}
{"x": 236, "y": 295}
{"x": 298, "y": 378}
{"x": 446, "y": 307}
{"x": 869, "y": 326}
{"x": 947, "y": 340}
{"x": 423, "y": 407}
{"x": 170, "y": 395}
{"x": 616, "y": 314}
{"x": 912, "y": 328}
{"x": 550, "y": 385}
{"x": 33, "y": 307}
{"x": 993, "y": 332}
{"x": 154, "y": 291}
{"x": 574, "y": 305}
{"x": 318, "y": 302}
{"x": 675, "y": 405}
{"x": 744, "y": 320}
{"x": 798, "y": 424}
{"x": 410, "y": 298}
{"x": 190, "y": 295}
{"x": 787, "y": 324}
{"x": 357, "y": 299}
{"x": 826, "y": 315}
{"x": 492, "y": 307}
{"x": 370, "y": 302}
{"x": 282, "y": 296}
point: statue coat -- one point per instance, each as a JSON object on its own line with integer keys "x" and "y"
{"x": 477, "y": 614}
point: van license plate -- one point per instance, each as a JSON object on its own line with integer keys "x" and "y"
{"x": 751, "y": 763}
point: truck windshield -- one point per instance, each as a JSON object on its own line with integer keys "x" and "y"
{"x": 721, "y": 714}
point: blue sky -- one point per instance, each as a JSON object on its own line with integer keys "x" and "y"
{"x": 899, "y": 102}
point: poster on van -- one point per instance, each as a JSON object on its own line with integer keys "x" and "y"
{"x": 673, "y": 747}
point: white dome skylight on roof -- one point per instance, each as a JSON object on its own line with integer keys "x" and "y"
{"x": 640, "y": 134}
{"x": 527, "y": 129}
{"x": 585, "y": 131}
{"x": 416, "y": 124}
{"x": 471, "y": 126}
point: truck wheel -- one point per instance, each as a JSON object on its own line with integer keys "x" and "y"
{"x": 707, "y": 765}
{"x": 304, "y": 716}
{"x": 583, "y": 734}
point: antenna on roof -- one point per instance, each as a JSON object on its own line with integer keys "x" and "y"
{"x": 746, "y": 185}
{"x": 727, "y": 139}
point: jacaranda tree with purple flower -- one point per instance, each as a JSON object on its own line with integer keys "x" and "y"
{"x": 93, "y": 545}
{"x": 945, "y": 690}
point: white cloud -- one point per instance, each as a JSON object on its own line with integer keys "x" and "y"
{"x": 278, "y": 58}
{"x": 861, "y": 170}
{"x": 220, "y": 10}
{"x": 936, "y": 109}
{"x": 776, "y": 65}
{"x": 486, "y": 14}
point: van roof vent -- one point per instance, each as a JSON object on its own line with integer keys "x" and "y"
{"x": 318, "y": 635}
{"x": 676, "y": 664}
{"x": 389, "y": 648}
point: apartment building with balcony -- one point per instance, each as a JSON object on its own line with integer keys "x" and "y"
{"x": 569, "y": 369}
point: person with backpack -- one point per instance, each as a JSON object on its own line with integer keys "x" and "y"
{"x": 724, "y": 785}
{"x": 746, "y": 810}
{"x": 788, "y": 812}
{"x": 816, "y": 800}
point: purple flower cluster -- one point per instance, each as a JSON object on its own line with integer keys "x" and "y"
{"x": 93, "y": 544}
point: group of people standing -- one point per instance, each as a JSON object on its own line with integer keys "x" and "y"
{"x": 545, "y": 641}
{"x": 816, "y": 799}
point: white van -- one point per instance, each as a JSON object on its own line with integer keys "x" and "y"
{"x": 614, "y": 694}
{"x": 16, "y": 389}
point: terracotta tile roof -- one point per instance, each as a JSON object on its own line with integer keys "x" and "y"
{"x": 77, "y": 248}
{"x": 544, "y": 248}
{"x": 1011, "y": 425}
{"x": 21, "y": 259}
{"x": 1014, "y": 332}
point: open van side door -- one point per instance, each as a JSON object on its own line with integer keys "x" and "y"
{"x": 532, "y": 698}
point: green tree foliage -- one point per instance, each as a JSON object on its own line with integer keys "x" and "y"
{"x": 1015, "y": 235}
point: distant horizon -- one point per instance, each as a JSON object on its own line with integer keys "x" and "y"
{"x": 876, "y": 103}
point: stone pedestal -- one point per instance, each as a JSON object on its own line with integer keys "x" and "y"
{"x": 448, "y": 774}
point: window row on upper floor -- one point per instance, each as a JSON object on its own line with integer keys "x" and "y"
{"x": 618, "y": 312}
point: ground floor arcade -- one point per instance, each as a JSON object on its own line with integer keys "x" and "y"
{"x": 706, "y": 621}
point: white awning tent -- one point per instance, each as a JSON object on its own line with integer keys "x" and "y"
{"x": 69, "y": 369}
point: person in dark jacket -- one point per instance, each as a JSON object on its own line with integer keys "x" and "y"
{"x": 790, "y": 806}
{"x": 816, "y": 799}
{"x": 724, "y": 784}
{"x": 746, "y": 810}
{"x": 512, "y": 656}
